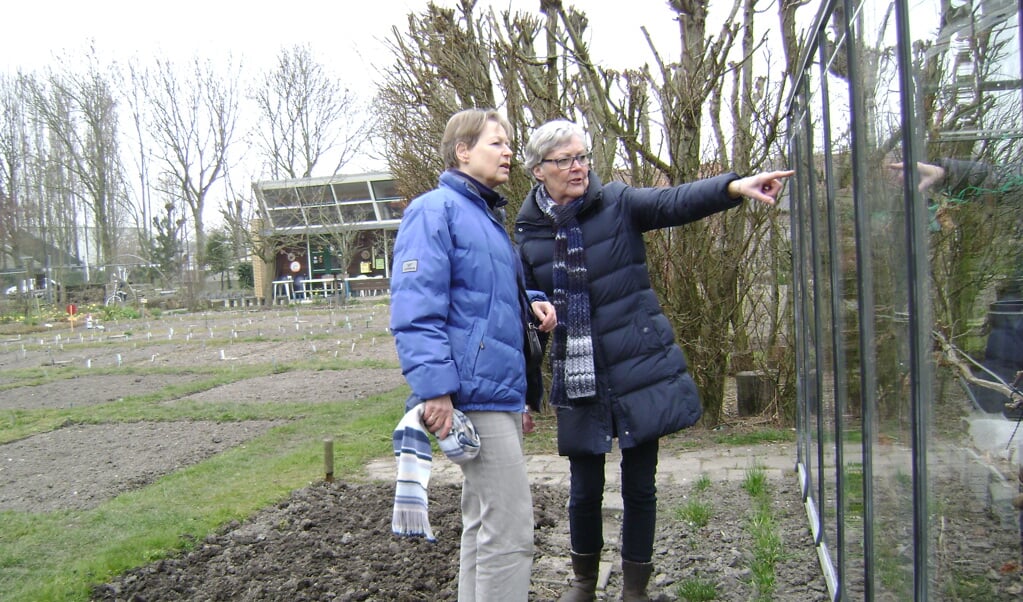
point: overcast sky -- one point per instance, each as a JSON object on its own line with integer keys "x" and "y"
{"x": 346, "y": 32}
{"x": 347, "y": 36}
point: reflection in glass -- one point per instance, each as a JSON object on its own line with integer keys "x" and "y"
{"x": 908, "y": 260}
{"x": 357, "y": 212}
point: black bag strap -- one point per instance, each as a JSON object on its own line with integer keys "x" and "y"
{"x": 525, "y": 300}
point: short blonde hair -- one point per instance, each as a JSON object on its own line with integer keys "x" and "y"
{"x": 466, "y": 127}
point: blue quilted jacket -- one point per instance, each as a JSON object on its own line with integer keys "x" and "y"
{"x": 456, "y": 313}
{"x": 644, "y": 389}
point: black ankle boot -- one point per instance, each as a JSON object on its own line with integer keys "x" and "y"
{"x": 635, "y": 576}
{"x": 583, "y": 587}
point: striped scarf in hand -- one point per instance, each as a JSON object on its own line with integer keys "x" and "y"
{"x": 412, "y": 450}
{"x": 573, "y": 374}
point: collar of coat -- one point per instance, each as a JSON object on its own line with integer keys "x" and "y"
{"x": 531, "y": 214}
{"x": 471, "y": 187}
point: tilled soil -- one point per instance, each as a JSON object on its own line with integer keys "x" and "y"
{"x": 332, "y": 541}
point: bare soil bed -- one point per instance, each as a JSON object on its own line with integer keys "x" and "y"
{"x": 332, "y": 541}
{"x": 80, "y": 466}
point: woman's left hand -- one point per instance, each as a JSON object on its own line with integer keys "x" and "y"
{"x": 763, "y": 187}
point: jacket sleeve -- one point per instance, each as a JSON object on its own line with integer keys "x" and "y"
{"x": 420, "y": 297}
{"x": 533, "y": 292}
{"x": 966, "y": 180}
{"x": 653, "y": 208}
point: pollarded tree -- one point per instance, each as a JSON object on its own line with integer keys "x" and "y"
{"x": 646, "y": 127}
{"x": 441, "y": 66}
{"x": 704, "y": 272}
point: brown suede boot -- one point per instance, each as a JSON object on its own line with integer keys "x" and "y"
{"x": 583, "y": 587}
{"x": 635, "y": 576}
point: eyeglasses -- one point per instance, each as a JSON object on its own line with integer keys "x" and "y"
{"x": 566, "y": 162}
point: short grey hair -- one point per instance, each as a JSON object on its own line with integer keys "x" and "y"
{"x": 548, "y": 137}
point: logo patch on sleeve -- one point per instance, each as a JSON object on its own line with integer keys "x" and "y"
{"x": 411, "y": 265}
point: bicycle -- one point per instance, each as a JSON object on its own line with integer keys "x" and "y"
{"x": 121, "y": 293}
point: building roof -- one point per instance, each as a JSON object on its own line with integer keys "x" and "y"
{"x": 365, "y": 201}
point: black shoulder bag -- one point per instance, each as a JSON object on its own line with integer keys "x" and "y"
{"x": 533, "y": 348}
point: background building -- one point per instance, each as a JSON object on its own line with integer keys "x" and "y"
{"x": 315, "y": 229}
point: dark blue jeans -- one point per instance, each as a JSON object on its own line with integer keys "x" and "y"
{"x": 639, "y": 494}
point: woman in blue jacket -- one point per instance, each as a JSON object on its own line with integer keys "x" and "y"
{"x": 457, "y": 318}
{"x": 616, "y": 369}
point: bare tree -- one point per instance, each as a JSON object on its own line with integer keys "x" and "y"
{"x": 306, "y": 115}
{"x": 79, "y": 112}
{"x": 13, "y": 147}
{"x": 342, "y": 244}
{"x": 134, "y": 92}
{"x": 194, "y": 114}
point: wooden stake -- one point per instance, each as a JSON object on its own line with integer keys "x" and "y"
{"x": 328, "y": 459}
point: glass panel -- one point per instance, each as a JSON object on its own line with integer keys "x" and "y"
{"x": 351, "y": 191}
{"x": 848, "y": 474}
{"x": 286, "y": 218}
{"x": 905, "y": 301}
{"x": 838, "y": 252}
{"x": 885, "y": 243}
{"x": 315, "y": 195}
{"x": 971, "y": 94}
{"x": 357, "y": 212}
{"x": 392, "y": 209}
{"x": 819, "y": 316}
{"x": 385, "y": 189}
{"x": 280, "y": 197}
{"x": 803, "y": 283}
{"x": 323, "y": 216}
{"x": 389, "y": 205}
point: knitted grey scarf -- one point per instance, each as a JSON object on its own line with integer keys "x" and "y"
{"x": 573, "y": 375}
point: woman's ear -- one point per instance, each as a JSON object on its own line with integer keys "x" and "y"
{"x": 537, "y": 173}
{"x": 462, "y": 152}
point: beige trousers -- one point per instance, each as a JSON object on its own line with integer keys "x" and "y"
{"x": 497, "y": 514}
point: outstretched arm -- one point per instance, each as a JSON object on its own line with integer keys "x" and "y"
{"x": 763, "y": 187}
{"x": 929, "y": 174}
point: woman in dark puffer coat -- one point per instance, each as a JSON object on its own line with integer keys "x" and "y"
{"x": 617, "y": 371}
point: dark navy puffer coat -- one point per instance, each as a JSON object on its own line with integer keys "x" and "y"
{"x": 644, "y": 389}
